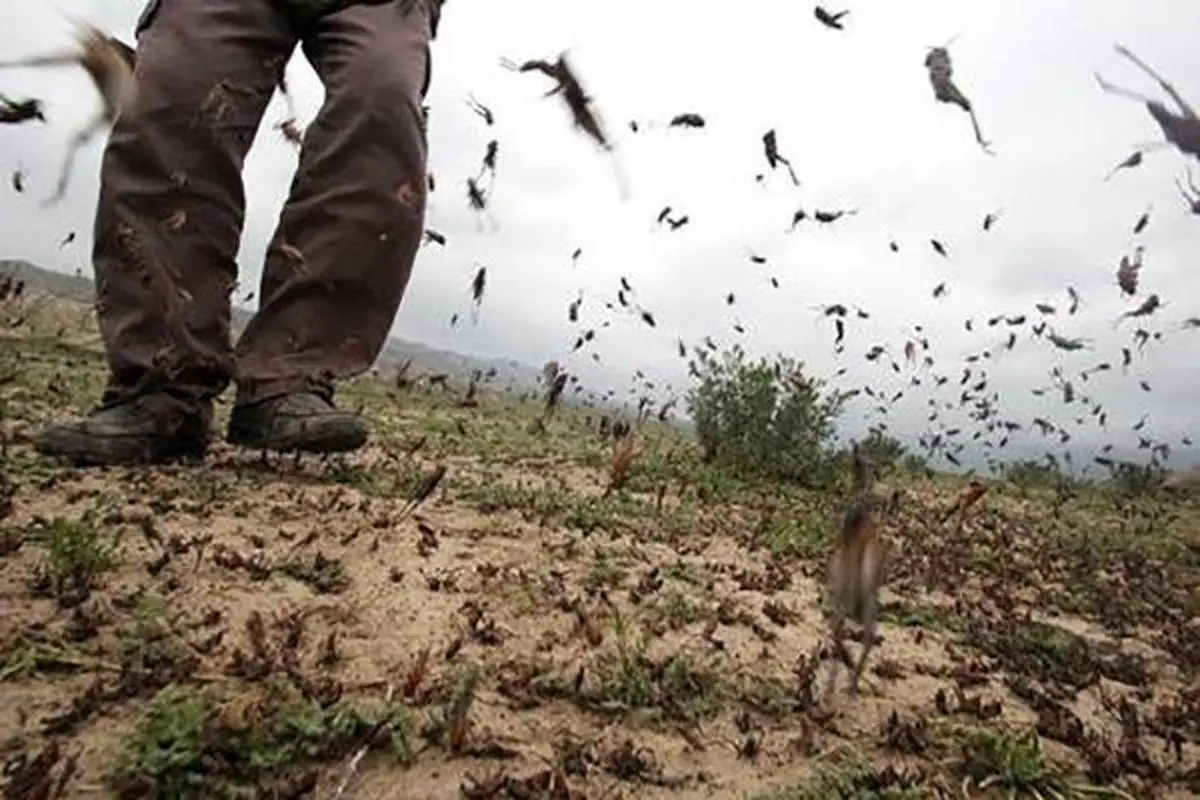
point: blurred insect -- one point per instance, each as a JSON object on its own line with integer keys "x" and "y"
{"x": 1149, "y": 306}
{"x": 830, "y": 19}
{"x": 1190, "y": 193}
{"x": 478, "y": 284}
{"x": 483, "y": 111}
{"x": 857, "y": 570}
{"x": 1132, "y": 160}
{"x": 1180, "y": 129}
{"x": 969, "y": 496}
{"x": 770, "y": 143}
{"x": 1128, "y": 272}
{"x": 941, "y": 77}
{"x": 289, "y": 126}
{"x": 14, "y": 112}
{"x": 579, "y": 103}
{"x": 109, "y": 63}
{"x": 687, "y": 120}
{"x": 488, "y": 167}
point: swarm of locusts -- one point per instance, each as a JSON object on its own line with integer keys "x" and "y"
{"x": 859, "y": 561}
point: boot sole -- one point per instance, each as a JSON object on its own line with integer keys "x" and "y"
{"x": 86, "y": 452}
{"x": 314, "y": 441}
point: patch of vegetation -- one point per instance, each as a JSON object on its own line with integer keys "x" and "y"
{"x": 764, "y": 418}
{"x": 1015, "y": 766}
{"x": 788, "y": 536}
{"x": 77, "y": 556}
{"x": 191, "y": 744}
{"x": 324, "y": 575}
{"x": 853, "y": 778}
{"x": 678, "y": 686}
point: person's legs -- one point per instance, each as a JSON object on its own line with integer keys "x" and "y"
{"x": 340, "y": 260}
{"x": 168, "y": 224}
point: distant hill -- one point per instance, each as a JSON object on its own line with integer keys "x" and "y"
{"x": 396, "y": 351}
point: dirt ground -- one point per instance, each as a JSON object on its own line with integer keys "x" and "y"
{"x": 290, "y": 628}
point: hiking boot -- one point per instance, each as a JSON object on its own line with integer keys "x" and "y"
{"x": 138, "y": 431}
{"x": 296, "y": 422}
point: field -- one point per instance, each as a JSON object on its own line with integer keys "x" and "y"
{"x": 288, "y": 628}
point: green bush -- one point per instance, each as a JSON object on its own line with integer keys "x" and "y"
{"x": 763, "y": 418}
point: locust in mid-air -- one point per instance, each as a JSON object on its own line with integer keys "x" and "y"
{"x": 109, "y": 62}
{"x": 941, "y": 77}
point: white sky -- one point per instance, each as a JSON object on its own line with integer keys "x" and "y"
{"x": 853, "y": 111}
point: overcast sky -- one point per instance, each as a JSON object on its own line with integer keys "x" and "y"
{"x": 854, "y": 112}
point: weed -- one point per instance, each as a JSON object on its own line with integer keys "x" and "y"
{"x": 677, "y": 685}
{"x": 192, "y": 745}
{"x": 1016, "y": 765}
{"x": 77, "y": 556}
{"x": 853, "y": 778}
{"x": 324, "y": 575}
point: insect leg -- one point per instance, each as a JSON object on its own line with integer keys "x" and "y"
{"x": 82, "y": 137}
{"x": 986, "y": 145}
{"x": 1119, "y": 91}
{"x": 1162, "y": 82}
{"x": 50, "y": 60}
{"x": 872, "y": 576}
{"x": 835, "y": 667}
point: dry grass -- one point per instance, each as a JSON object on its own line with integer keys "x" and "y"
{"x": 251, "y": 629}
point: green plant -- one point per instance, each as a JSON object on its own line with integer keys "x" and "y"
{"x": 76, "y": 556}
{"x": 763, "y": 418}
{"x": 191, "y": 745}
{"x": 1016, "y": 766}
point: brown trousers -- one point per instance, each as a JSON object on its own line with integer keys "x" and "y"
{"x": 172, "y": 204}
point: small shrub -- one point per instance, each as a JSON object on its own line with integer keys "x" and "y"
{"x": 764, "y": 418}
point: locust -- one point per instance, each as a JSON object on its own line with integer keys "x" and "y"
{"x": 289, "y": 126}
{"x": 1148, "y": 307}
{"x": 488, "y": 167}
{"x": 1180, "y": 129}
{"x": 1190, "y": 193}
{"x": 483, "y": 111}
{"x": 109, "y": 62}
{"x": 857, "y": 569}
{"x": 478, "y": 200}
{"x": 578, "y": 101}
{"x": 14, "y": 112}
{"x": 687, "y": 120}
{"x": 941, "y": 77}
{"x": 478, "y": 285}
{"x": 1129, "y": 271}
{"x": 830, "y": 19}
{"x": 771, "y": 150}
{"x": 1132, "y": 160}
{"x": 1064, "y": 343}
{"x": 827, "y": 217}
